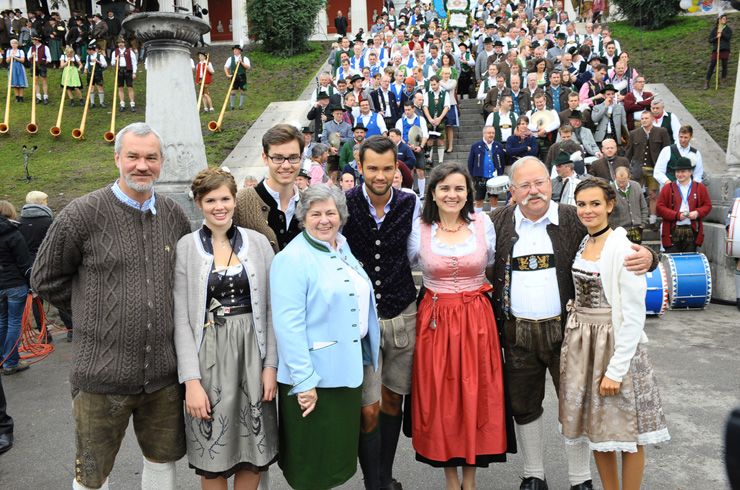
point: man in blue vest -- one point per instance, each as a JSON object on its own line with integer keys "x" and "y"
{"x": 485, "y": 160}
{"x": 373, "y": 123}
{"x": 410, "y": 119}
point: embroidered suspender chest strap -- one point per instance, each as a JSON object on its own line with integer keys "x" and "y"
{"x": 533, "y": 262}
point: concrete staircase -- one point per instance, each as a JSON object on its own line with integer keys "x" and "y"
{"x": 471, "y": 124}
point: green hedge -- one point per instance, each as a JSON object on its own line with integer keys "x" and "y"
{"x": 283, "y": 26}
{"x": 648, "y": 14}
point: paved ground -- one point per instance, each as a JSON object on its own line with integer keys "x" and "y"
{"x": 695, "y": 354}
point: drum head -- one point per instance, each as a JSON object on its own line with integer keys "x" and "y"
{"x": 415, "y": 136}
{"x": 733, "y": 231}
{"x": 498, "y": 185}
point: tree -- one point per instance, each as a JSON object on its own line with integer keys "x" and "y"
{"x": 649, "y": 14}
{"x": 283, "y": 26}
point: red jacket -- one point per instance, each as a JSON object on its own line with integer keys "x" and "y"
{"x": 669, "y": 207}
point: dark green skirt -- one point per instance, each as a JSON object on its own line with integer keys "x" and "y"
{"x": 319, "y": 451}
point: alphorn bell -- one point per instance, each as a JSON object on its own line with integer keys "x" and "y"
{"x": 202, "y": 81}
{"x": 216, "y": 125}
{"x": 56, "y": 130}
{"x": 5, "y": 125}
{"x": 79, "y": 133}
{"x": 110, "y": 136}
{"x": 32, "y": 128}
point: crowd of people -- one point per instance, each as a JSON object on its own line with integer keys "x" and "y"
{"x": 573, "y": 99}
{"x": 83, "y": 47}
{"x": 288, "y": 327}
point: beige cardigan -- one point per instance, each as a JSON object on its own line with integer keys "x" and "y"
{"x": 191, "y": 280}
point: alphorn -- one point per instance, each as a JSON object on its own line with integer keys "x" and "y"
{"x": 216, "y": 125}
{"x": 110, "y": 136}
{"x": 56, "y": 130}
{"x": 202, "y": 81}
{"x": 5, "y": 125}
{"x": 32, "y": 128}
{"x": 79, "y": 133}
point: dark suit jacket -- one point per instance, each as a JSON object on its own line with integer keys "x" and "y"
{"x": 341, "y": 24}
{"x": 318, "y": 125}
{"x": 600, "y": 168}
{"x": 659, "y": 139}
{"x": 376, "y": 103}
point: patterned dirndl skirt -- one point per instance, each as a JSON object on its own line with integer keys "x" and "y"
{"x": 242, "y": 434}
{"x": 632, "y": 418}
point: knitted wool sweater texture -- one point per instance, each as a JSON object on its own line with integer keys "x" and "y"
{"x": 113, "y": 265}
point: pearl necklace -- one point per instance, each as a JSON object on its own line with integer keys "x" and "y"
{"x": 450, "y": 230}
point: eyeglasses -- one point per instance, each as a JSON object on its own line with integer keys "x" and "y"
{"x": 280, "y": 159}
{"x": 526, "y": 186}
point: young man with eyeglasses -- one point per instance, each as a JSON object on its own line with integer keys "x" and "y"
{"x": 269, "y": 207}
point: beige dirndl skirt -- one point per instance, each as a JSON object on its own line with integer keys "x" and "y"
{"x": 632, "y": 418}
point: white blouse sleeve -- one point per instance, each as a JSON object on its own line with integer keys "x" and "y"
{"x": 490, "y": 238}
{"x": 632, "y": 290}
{"x": 413, "y": 244}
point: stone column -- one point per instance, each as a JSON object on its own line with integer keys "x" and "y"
{"x": 171, "y": 98}
{"x": 733, "y": 142}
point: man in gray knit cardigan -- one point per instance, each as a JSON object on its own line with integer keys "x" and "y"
{"x": 109, "y": 258}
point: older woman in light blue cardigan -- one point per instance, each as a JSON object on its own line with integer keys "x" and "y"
{"x": 327, "y": 330}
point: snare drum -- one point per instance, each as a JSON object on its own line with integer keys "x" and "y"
{"x": 498, "y": 185}
{"x": 690, "y": 280}
{"x": 656, "y": 297}
{"x": 732, "y": 247}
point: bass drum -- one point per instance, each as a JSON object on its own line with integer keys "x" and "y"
{"x": 498, "y": 185}
{"x": 656, "y": 296}
{"x": 690, "y": 280}
{"x": 732, "y": 247}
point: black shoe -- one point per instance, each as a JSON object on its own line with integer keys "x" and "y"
{"x": 46, "y": 101}
{"x": 102, "y": 104}
{"x": 133, "y": 109}
{"x": 533, "y": 483}
{"x": 394, "y": 485}
{"x": 587, "y": 485}
{"x": 72, "y": 103}
{"x": 49, "y": 339}
{"x": 738, "y": 303}
{"x": 6, "y": 442}
{"x": 21, "y": 366}
{"x": 69, "y": 335}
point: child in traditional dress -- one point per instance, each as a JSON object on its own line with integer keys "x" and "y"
{"x": 204, "y": 68}
{"x": 95, "y": 57}
{"x": 608, "y": 391}
{"x": 19, "y": 81}
{"x": 241, "y": 64}
{"x": 71, "y": 65}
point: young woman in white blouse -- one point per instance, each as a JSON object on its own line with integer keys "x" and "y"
{"x": 608, "y": 391}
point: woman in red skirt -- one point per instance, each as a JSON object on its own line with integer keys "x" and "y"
{"x": 458, "y": 406}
